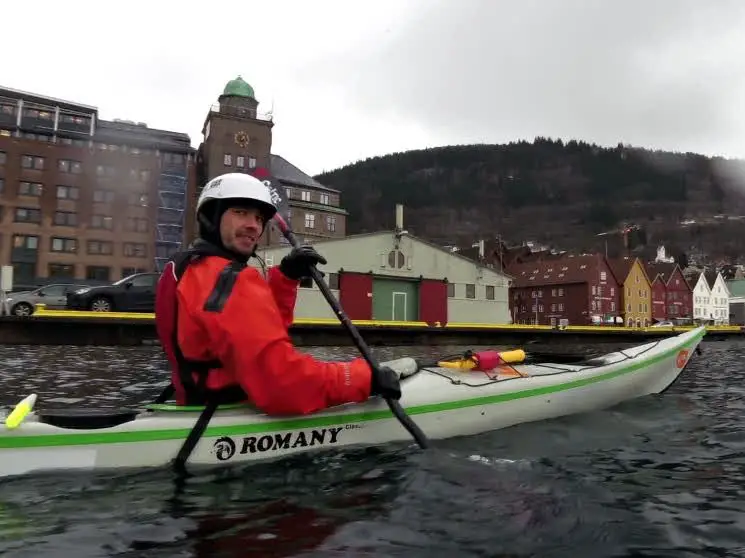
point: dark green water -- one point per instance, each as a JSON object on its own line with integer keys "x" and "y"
{"x": 661, "y": 476}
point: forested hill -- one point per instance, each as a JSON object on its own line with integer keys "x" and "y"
{"x": 562, "y": 194}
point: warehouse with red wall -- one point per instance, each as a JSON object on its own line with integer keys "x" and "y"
{"x": 394, "y": 276}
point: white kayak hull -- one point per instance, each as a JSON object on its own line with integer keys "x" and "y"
{"x": 441, "y": 408}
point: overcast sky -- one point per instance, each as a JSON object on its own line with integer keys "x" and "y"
{"x": 352, "y": 79}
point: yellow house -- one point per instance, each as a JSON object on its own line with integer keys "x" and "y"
{"x": 636, "y": 291}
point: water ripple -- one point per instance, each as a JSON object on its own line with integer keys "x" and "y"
{"x": 662, "y": 476}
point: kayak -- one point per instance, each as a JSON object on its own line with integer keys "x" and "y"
{"x": 444, "y": 400}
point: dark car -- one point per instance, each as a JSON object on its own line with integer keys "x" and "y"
{"x": 135, "y": 293}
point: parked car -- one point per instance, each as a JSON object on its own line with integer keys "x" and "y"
{"x": 53, "y": 296}
{"x": 134, "y": 293}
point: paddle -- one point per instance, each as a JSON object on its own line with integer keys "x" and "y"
{"x": 279, "y": 219}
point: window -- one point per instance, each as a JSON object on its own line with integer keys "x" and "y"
{"x": 306, "y": 282}
{"x": 144, "y": 281}
{"x": 396, "y": 259}
{"x": 67, "y": 192}
{"x": 32, "y": 162}
{"x": 138, "y": 224}
{"x": 54, "y": 290}
{"x": 102, "y": 222}
{"x": 26, "y": 242}
{"x": 3, "y": 157}
{"x": 602, "y": 275}
{"x": 310, "y": 221}
{"x": 470, "y": 291}
{"x": 100, "y": 247}
{"x": 333, "y": 280}
{"x": 27, "y": 215}
{"x": 103, "y": 196}
{"x": 451, "y": 290}
{"x": 60, "y": 244}
{"x": 66, "y": 271}
{"x": 252, "y": 162}
{"x": 104, "y": 170}
{"x": 227, "y": 159}
{"x": 134, "y": 249}
{"x": 2, "y": 185}
{"x": 66, "y": 218}
{"x": 490, "y": 293}
{"x": 97, "y": 272}
{"x": 240, "y": 161}
{"x": 138, "y": 198}
{"x": 331, "y": 223}
{"x": 324, "y": 199}
{"x": 30, "y": 189}
{"x": 69, "y": 166}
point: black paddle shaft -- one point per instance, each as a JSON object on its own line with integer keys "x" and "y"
{"x": 395, "y": 406}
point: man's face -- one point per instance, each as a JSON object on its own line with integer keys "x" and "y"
{"x": 240, "y": 229}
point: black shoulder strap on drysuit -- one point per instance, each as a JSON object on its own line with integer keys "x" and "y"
{"x": 197, "y": 392}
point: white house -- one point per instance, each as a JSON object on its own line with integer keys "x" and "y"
{"x": 711, "y": 299}
{"x": 395, "y": 276}
{"x": 720, "y": 295}
{"x": 703, "y": 310}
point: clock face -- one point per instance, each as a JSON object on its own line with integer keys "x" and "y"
{"x": 241, "y": 138}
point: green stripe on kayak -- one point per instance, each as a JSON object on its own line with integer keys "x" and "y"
{"x": 108, "y": 437}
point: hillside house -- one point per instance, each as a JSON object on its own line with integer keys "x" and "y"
{"x": 720, "y": 296}
{"x": 636, "y": 291}
{"x": 672, "y": 297}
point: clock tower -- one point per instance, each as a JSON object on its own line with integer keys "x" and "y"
{"x": 236, "y": 136}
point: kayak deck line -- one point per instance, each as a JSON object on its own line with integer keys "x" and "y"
{"x": 444, "y": 411}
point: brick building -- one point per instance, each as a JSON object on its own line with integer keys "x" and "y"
{"x": 580, "y": 289}
{"x": 83, "y": 198}
{"x": 238, "y": 138}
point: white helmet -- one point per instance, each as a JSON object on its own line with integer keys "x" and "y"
{"x": 238, "y": 186}
{"x": 225, "y": 191}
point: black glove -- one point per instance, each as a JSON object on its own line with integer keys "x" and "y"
{"x": 298, "y": 262}
{"x": 384, "y": 382}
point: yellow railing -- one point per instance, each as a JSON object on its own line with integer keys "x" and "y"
{"x": 42, "y": 311}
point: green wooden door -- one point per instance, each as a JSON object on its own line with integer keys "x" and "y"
{"x": 395, "y": 300}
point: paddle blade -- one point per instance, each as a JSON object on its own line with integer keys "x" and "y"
{"x": 15, "y": 418}
{"x": 279, "y": 197}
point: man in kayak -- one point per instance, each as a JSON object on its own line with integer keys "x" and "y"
{"x": 224, "y": 327}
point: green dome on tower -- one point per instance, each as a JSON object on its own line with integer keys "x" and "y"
{"x": 239, "y": 88}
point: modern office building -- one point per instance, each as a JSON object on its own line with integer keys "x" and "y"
{"x": 83, "y": 198}
{"x": 238, "y": 138}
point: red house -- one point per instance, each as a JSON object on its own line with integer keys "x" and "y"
{"x": 672, "y": 296}
{"x": 580, "y": 289}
